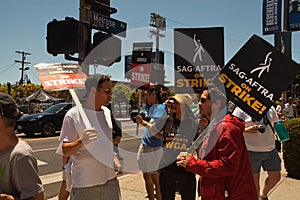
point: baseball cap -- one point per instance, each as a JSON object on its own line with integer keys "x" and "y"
{"x": 183, "y": 99}
{"x": 94, "y": 80}
{"x": 8, "y": 106}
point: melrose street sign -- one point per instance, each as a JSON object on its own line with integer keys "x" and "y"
{"x": 107, "y": 24}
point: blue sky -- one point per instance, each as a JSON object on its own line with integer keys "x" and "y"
{"x": 24, "y": 25}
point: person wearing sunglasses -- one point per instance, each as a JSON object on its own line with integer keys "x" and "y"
{"x": 178, "y": 129}
{"x": 93, "y": 173}
{"x": 150, "y": 150}
{"x": 222, "y": 163}
{"x": 19, "y": 178}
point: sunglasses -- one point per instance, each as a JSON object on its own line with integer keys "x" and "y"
{"x": 202, "y": 100}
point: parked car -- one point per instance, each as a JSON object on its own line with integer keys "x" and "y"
{"x": 47, "y": 122}
{"x": 24, "y": 109}
{"x": 134, "y": 113}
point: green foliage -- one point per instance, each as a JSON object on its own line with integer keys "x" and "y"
{"x": 121, "y": 95}
{"x": 291, "y": 148}
{"x": 133, "y": 100}
{"x": 22, "y": 91}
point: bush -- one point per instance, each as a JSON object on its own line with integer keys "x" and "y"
{"x": 291, "y": 148}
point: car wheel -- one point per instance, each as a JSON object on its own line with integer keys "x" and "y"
{"x": 48, "y": 129}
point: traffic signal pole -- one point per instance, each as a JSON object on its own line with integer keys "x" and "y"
{"x": 71, "y": 36}
{"x": 84, "y": 17}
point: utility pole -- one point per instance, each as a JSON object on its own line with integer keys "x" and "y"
{"x": 24, "y": 54}
{"x": 160, "y": 24}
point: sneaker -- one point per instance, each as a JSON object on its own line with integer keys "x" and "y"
{"x": 263, "y": 198}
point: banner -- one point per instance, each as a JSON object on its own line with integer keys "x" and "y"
{"x": 293, "y": 15}
{"x": 199, "y": 55}
{"x": 271, "y": 16}
{"x": 58, "y": 76}
{"x": 141, "y": 63}
{"x": 255, "y": 77}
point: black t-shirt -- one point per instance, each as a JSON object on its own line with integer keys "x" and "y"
{"x": 178, "y": 136}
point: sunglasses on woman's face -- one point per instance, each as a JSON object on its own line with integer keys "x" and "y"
{"x": 202, "y": 100}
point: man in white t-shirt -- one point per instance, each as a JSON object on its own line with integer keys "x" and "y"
{"x": 260, "y": 142}
{"x": 91, "y": 150}
{"x": 290, "y": 109}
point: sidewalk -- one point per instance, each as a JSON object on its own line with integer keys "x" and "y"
{"x": 132, "y": 187}
{"x": 286, "y": 189}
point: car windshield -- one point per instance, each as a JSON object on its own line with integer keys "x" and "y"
{"x": 54, "y": 109}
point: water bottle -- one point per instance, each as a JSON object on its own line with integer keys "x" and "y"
{"x": 281, "y": 131}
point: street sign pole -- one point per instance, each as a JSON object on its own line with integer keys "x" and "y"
{"x": 83, "y": 17}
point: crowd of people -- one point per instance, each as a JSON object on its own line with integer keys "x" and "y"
{"x": 228, "y": 160}
{"x": 288, "y": 110}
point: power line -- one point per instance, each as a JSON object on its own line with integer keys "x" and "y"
{"x": 5, "y": 66}
{"x": 172, "y": 20}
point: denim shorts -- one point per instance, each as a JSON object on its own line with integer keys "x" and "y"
{"x": 269, "y": 161}
{"x": 148, "y": 158}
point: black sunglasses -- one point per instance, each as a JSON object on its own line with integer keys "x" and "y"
{"x": 202, "y": 100}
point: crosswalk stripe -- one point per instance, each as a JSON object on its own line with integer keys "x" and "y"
{"x": 51, "y": 178}
{"x": 40, "y": 163}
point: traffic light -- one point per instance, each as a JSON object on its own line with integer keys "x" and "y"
{"x": 106, "y": 49}
{"x": 64, "y": 37}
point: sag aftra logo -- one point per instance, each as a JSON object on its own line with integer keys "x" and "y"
{"x": 198, "y": 49}
{"x": 263, "y": 66}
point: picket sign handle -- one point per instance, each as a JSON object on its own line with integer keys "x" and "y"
{"x": 206, "y": 132}
{"x": 139, "y": 110}
{"x": 80, "y": 109}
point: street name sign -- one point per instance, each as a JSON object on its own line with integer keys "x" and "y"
{"x": 108, "y": 24}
